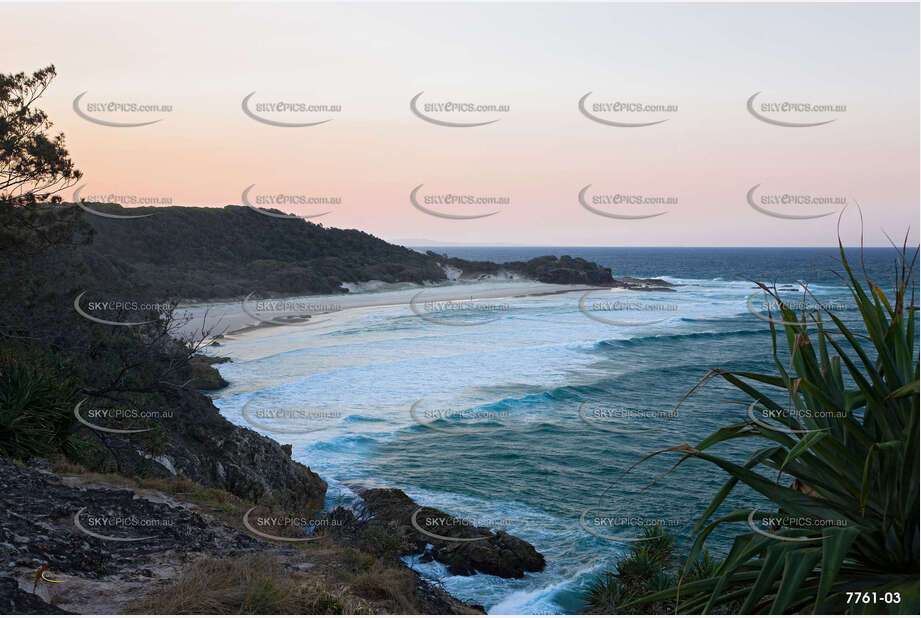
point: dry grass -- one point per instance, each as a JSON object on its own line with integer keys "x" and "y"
{"x": 209, "y": 499}
{"x": 332, "y": 579}
{"x": 393, "y": 588}
{"x": 255, "y": 584}
{"x": 259, "y": 584}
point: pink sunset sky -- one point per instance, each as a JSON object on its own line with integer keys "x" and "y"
{"x": 536, "y": 59}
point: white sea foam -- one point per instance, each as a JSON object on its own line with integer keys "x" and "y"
{"x": 376, "y": 358}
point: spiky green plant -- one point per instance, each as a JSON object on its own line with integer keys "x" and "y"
{"x": 848, "y": 521}
{"x": 37, "y": 398}
{"x": 648, "y": 567}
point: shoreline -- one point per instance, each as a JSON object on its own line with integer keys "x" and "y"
{"x": 190, "y": 531}
{"x": 240, "y": 325}
{"x": 371, "y": 301}
{"x": 240, "y": 317}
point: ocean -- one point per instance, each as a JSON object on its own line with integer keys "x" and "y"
{"x": 527, "y": 412}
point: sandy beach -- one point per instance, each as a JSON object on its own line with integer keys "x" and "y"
{"x": 240, "y": 317}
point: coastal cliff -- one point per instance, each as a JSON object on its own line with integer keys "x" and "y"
{"x": 199, "y": 444}
{"x": 113, "y": 401}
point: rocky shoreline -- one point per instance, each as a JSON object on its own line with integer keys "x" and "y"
{"x": 193, "y": 441}
{"x": 82, "y": 527}
{"x": 107, "y": 543}
{"x": 82, "y": 544}
{"x": 463, "y": 547}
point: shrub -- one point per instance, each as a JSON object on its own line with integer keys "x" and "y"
{"x": 647, "y": 568}
{"x": 37, "y": 399}
{"x": 849, "y": 520}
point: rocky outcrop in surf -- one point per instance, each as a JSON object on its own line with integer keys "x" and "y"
{"x": 465, "y": 548}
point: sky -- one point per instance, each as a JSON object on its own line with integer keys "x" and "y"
{"x": 718, "y": 174}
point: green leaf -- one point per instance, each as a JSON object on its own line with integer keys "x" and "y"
{"x": 835, "y": 546}
{"x": 797, "y": 565}
{"x": 802, "y": 446}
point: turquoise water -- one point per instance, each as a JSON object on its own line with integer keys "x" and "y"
{"x": 498, "y": 434}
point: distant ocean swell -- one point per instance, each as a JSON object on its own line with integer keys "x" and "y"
{"x": 537, "y": 464}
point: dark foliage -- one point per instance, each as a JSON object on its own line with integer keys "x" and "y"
{"x": 33, "y": 165}
{"x": 546, "y": 268}
{"x": 211, "y": 253}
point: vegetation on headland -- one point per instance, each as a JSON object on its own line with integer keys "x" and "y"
{"x": 648, "y": 566}
{"x": 114, "y": 396}
{"x": 37, "y": 386}
{"x": 51, "y": 252}
{"x": 216, "y": 253}
{"x": 858, "y": 470}
{"x": 220, "y": 253}
{"x": 546, "y": 269}
{"x": 844, "y": 535}
{"x": 56, "y": 362}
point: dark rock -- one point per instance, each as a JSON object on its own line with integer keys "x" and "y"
{"x": 647, "y": 285}
{"x": 203, "y": 376}
{"x": 15, "y": 600}
{"x": 573, "y": 276}
{"x": 498, "y": 553}
{"x": 38, "y": 530}
{"x": 212, "y": 360}
{"x": 435, "y": 600}
{"x": 44, "y": 523}
{"x": 39, "y": 463}
{"x": 344, "y": 515}
{"x": 201, "y": 445}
